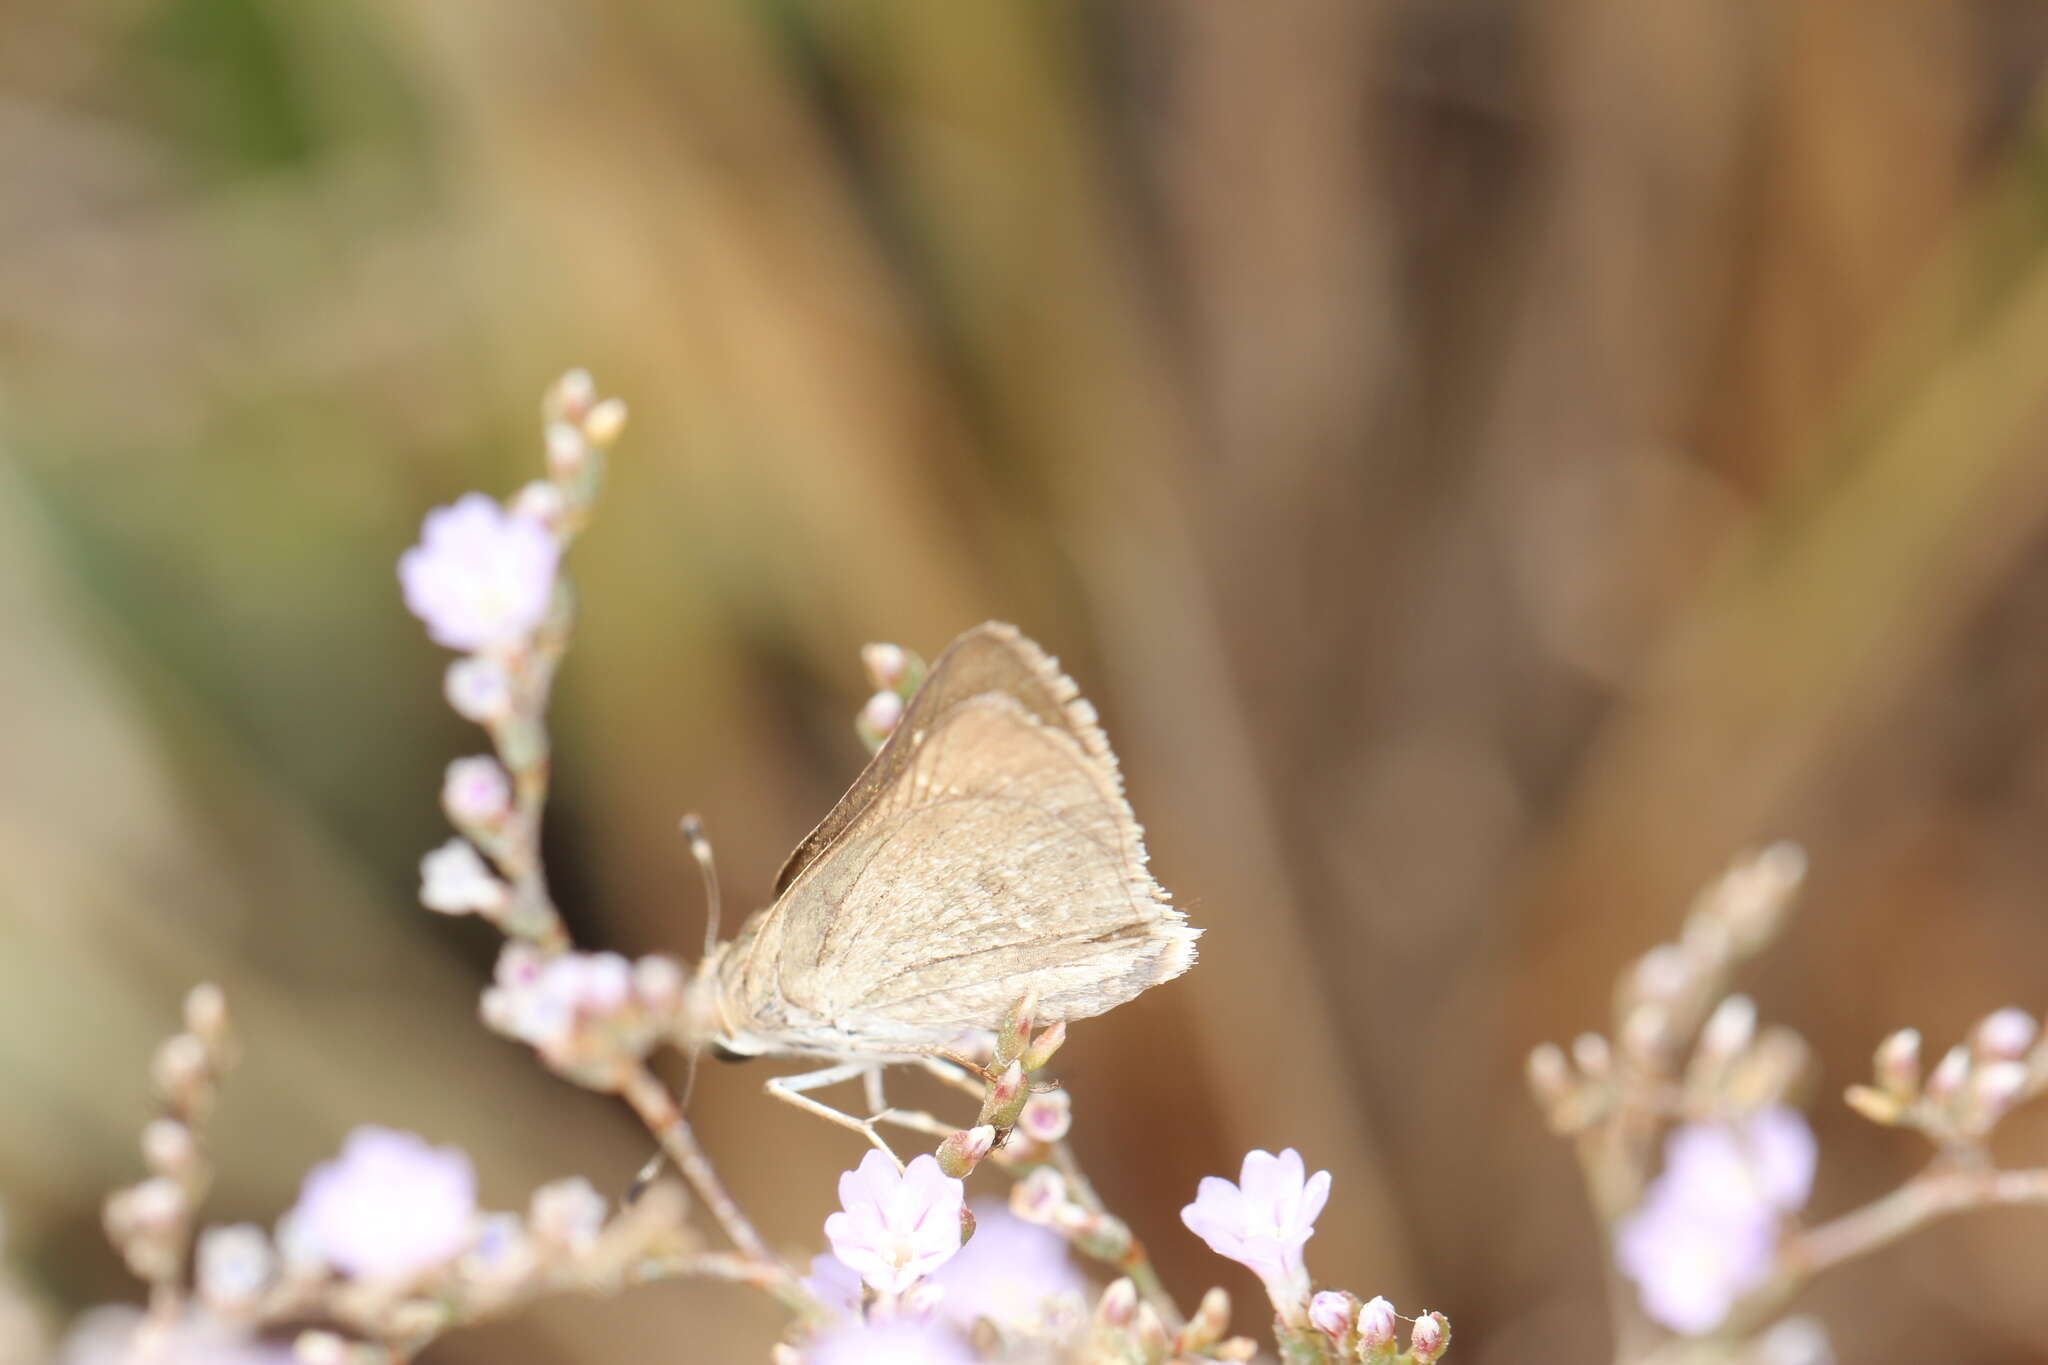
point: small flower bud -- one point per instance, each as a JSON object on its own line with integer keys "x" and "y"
{"x": 1874, "y": 1104}
{"x": 1897, "y": 1064}
{"x": 321, "y": 1348}
{"x": 155, "y": 1205}
{"x": 1993, "y": 1090}
{"x": 2006, "y": 1035}
{"x": 1150, "y": 1334}
{"x": 1045, "y": 1045}
{"x": 885, "y": 665}
{"x": 1015, "y": 1032}
{"x": 569, "y": 397}
{"x": 1333, "y": 1313}
{"x": 1662, "y": 973}
{"x": 1729, "y": 1028}
{"x": 1646, "y": 1034}
{"x": 179, "y": 1068}
{"x": 1430, "y": 1339}
{"x": 1237, "y": 1349}
{"x": 478, "y": 689}
{"x": 541, "y": 503}
{"x": 1550, "y": 1075}
{"x": 1119, "y": 1303}
{"x": 568, "y": 452}
{"x": 454, "y": 881}
{"x": 168, "y": 1147}
{"x": 567, "y": 1213}
{"x": 1006, "y": 1098}
{"x": 605, "y": 422}
{"x": 879, "y": 718}
{"x": 1048, "y": 1117}
{"x": 658, "y": 982}
{"x": 1949, "y": 1074}
{"x": 1207, "y": 1326}
{"x": 206, "y": 1014}
{"x": 1039, "y": 1197}
{"x": 476, "y": 793}
{"x": 1595, "y": 1058}
{"x": 961, "y": 1152}
{"x": 1377, "y": 1325}
{"x": 235, "y": 1266}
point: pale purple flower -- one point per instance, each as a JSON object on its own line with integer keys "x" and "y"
{"x": 544, "y": 999}
{"x": 1262, "y": 1221}
{"x": 898, "y": 1341}
{"x": 480, "y": 578}
{"x": 1013, "y": 1273}
{"x": 896, "y": 1227}
{"x": 390, "y": 1207}
{"x": 1707, "y": 1229}
{"x": 455, "y": 881}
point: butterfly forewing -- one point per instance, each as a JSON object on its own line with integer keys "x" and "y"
{"x": 987, "y": 850}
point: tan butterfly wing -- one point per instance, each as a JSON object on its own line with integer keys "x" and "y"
{"x": 986, "y": 850}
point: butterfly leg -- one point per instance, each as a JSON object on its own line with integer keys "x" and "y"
{"x": 791, "y": 1090}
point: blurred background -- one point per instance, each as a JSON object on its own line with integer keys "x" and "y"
{"x": 1491, "y": 463}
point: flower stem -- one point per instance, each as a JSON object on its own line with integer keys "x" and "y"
{"x": 659, "y": 1111}
{"x": 1134, "y": 1262}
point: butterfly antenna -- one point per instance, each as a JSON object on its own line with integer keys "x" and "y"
{"x": 700, "y": 849}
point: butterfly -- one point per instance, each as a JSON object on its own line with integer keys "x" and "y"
{"x": 986, "y": 854}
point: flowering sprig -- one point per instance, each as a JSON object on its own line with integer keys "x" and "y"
{"x": 151, "y": 1223}
{"x": 1709, "y": 1240}
{"x": 388, "y": 1245}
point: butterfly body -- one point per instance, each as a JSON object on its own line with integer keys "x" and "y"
{"x": 986, "y": 851}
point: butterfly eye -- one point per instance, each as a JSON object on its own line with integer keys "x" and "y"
{"x": 726, "y": 1054}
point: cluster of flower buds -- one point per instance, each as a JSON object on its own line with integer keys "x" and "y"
{"x": 150, "y": 1223}
{"x": 485, "y": 580}
{"x": 1972, "y": 1087}
{"x": 1044, "y": 1197}
{"x": 1371, "y": 1331}
{"x": 1125, "y": 1328}
{"x": 584, "y": 1012}
{"x": 1009, "y": 1101}
{"x": 895, "y": 673}
{"x": 1672, "y": 997}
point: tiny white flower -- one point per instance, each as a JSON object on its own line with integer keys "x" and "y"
{"x": 454, "y": 881}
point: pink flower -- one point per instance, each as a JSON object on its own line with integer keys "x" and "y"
{"x": 1707, "y": 1229}
{"x": 899, "y": 1341}
{"x": 480, "y": 578}
{"x": 1262, "y": 1221}
{"x": 1010, "y": 1273}
{"x": 896, "y": 1227}
{"x": 390, "y": 1207}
